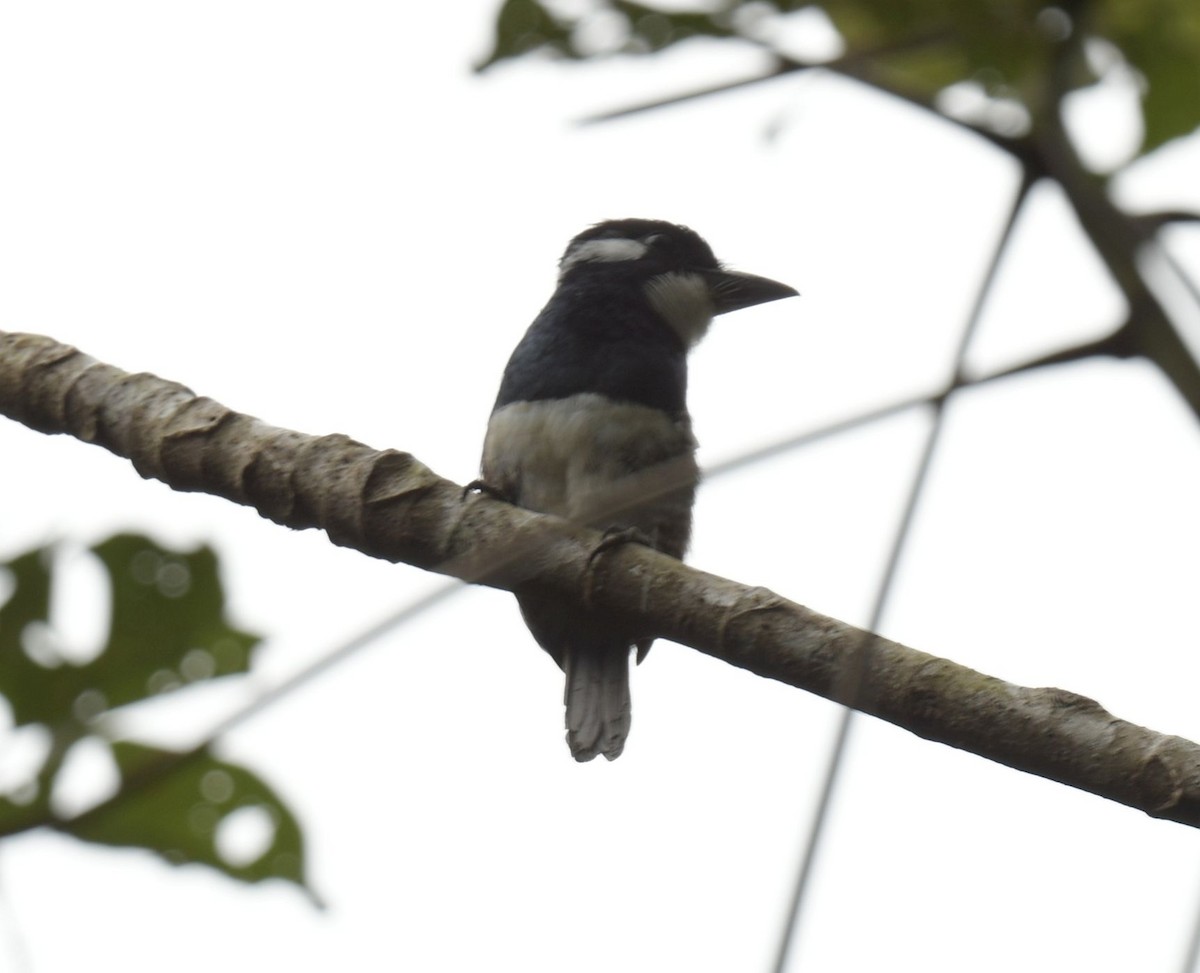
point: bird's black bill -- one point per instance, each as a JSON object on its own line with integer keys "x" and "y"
{"x": 732, "y": 291}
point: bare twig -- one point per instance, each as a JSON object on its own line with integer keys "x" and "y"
{"x": 857, "y": 674}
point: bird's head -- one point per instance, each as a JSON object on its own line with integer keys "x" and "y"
{"x": 674, "y": 268}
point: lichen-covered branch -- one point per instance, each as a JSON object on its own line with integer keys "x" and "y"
{"x": 388, "y": 505}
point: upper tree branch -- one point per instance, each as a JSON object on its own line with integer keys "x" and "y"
{"x": 389, "y": 505}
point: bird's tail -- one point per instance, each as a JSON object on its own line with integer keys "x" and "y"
{"x": 597, "y": 699}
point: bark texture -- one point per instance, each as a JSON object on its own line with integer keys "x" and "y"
{"x": 389, "y": 505}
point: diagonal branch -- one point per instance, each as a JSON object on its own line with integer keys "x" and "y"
{"x": 389, "y": 505}
{"x": 1044, "y": 152}
{"x": 891, "y": 567}
{"x": 1118, "y": 237}
{"x": 860, "y": 66}
{"x": 1149, "y": 223}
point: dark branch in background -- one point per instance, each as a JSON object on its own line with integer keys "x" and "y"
{"x": 856, "y": 66}
{"x": 1120, "y": 239}
{"x": 1150, "y": 223}
{"x": 388, "y": 505}
{"x": 1044, "y": 153}
{"x": 1053, "y": 65}
{"x": 863, "y": 663}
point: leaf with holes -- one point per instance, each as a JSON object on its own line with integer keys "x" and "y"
{"x": 30, "y": 687}
{"x": 185, "y": 806}
{"x": 168, "y": 623}
{"x": 167, "y": 630}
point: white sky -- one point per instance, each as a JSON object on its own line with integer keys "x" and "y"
{"x": 314, "y": 213}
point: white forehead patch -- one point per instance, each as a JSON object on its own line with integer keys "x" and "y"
{"x": 602, "y": 251}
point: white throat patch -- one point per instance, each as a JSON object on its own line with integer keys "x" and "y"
{"x": 602, "y": 251}
{"x": 684, "y": 301}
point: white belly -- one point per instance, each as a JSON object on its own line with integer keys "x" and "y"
{"x": 592, "y": 460}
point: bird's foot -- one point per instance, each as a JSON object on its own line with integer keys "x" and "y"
{"x": 482, "y": 486}
{"x": 613, "y": 537}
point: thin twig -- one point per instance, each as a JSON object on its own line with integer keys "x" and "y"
{"x": 858, "y": 66}
{"x": 861, "y": 665}
{"x": 783, "y": 65}
{"x": 1152, "y": 222}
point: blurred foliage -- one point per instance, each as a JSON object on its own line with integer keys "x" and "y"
{"x": 167, "y": 631}
{"x": 178, "y": 814}
{"x": 1007, "y": 47}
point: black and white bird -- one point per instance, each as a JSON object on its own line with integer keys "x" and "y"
{"x": 594, "y": 398}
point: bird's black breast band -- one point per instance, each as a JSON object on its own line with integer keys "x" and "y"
{"x": 622, "y": 351}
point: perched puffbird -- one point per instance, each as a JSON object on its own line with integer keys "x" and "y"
{"x": 593, "y": 398}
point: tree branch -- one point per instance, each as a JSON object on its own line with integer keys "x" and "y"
{"x": 389, "y": 505}
{"x": 1150, "y": 223}
{"x": 860, "y": 66}
{"x": 1118, "y": 237}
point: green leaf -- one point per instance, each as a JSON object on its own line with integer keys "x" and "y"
{"x": 523, "y": 26}
{"x": 168, "y": 625}
{"x": 1161, "y": 39}
{"x": 176, "y": 804}
{"x": 931, "y": 44}
{"x": 653, "y": 30}
{"x": 922, "y": 47}
{"x": 526, "y": 26}
{"x": 27, "y": 805}
{"x": 28, "y": 685}
{"x": 167, "y": 630}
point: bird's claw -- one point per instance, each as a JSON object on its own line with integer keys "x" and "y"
{"x": 482, "y": 486}
{"x": 613, "y": 537}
